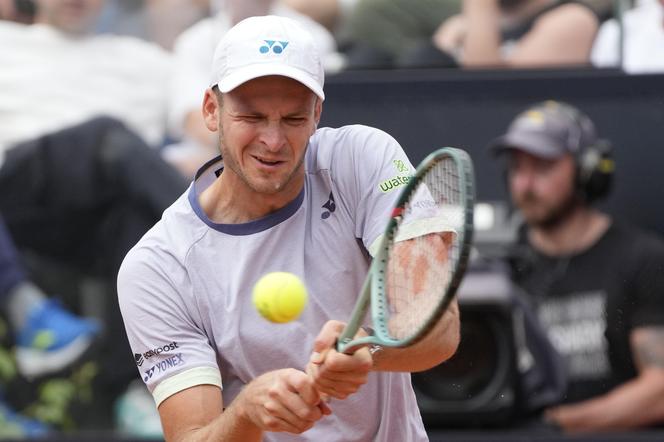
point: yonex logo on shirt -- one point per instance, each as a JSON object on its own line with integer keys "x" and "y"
{"x": 277, "y": 47}
{"x": 330, "y": 206}
{"x": 162, "y": 366}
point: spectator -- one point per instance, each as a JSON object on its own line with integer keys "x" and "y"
{"x": 83, "y": 196}
{"x": 57, "y": 74}
{"x": 193, "y": 51}
{"x": 597, "y": 284}
{"x": 642, "y": 40}
{"x": 326, "y": 12}
{"x": 157, "y": 21}
{"x": 21, "y": 11}
{"x": 395, "y": 33}
{"x": 265, "y": 204}
{"x": 81, "y": 180}
{"x": 48, "y": 338}
{"x": 519, "y": 33}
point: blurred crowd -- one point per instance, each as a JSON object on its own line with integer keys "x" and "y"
{"x": 101, "y": 129}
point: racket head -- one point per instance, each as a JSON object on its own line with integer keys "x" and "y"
{"x": 425, "y": 249}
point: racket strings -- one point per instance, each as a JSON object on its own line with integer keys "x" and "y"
{"x": 423, "y": 256}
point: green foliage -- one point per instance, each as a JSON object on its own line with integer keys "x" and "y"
{"x": 57, "y": 396}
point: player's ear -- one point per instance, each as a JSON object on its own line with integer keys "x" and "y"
{"x": 318, "y": 110}
{"x": 211, "y": 109}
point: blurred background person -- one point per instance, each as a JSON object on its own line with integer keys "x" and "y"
{"x": 596, "y": 283}
{"x": 157, "y": 21}
{"x": 395, "y": 33}
{"x": 326, "y": 12}
{"x": 57, "y": 73}
{"x": 633, "y": 42}
{"x": 519, "y": 33}
{"x": 81, "y": 178}
{"x": 193, "y": 57}
{"x": 21, "y": 11}
{"x": 47, "y": 337}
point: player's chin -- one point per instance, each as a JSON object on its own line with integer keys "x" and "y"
{"x": 268, "y": 185}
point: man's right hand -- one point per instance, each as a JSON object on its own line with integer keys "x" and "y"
{"x": 282, "y": 401}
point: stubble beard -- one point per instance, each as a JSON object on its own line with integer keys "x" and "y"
{"x": 555, "y": 216}
{"x": 231, "y": 163}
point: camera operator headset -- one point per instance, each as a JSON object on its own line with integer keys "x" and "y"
{"x": 594, "y": 156}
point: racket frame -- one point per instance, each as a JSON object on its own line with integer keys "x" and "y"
{"x": 374, "y": 291}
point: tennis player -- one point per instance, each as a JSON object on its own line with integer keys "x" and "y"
{"x": 283, "y": 196}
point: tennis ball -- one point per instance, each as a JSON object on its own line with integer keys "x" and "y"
{"x": 280, "y": 296}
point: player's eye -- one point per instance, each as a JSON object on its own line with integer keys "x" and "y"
{"x": 295, "y": 121}
{"x": 252, "y": 118}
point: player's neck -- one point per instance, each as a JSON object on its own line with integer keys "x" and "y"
{"x": 236, "y": 203}
{"x": 577, "y": 232}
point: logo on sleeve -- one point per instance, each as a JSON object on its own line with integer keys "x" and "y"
{"x": 163, "y": 366}
{"x": 154, "y": 352}
{"x": 399, "y": 180}
{"x": 391, "y": 184}
{"x": 401, "y": 166}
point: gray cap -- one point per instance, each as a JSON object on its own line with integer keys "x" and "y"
{"x": 548, "y": 130}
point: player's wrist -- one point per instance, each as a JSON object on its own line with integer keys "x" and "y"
{"x": 375, "y": 350}
{"x": 241, "y": 420}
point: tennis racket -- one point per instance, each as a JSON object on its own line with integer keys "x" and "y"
{"x": 422, "y": 256}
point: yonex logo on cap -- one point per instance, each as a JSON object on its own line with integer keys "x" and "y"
{"x": 264, "y": 46}
{"x": 277, "y": 47}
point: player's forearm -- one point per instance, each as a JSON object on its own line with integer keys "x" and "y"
{"x": 635, "y": 404}
{"x": 438, "y": 346}
{"x": 232, "y": 425}
{"x": 481, "y": 46}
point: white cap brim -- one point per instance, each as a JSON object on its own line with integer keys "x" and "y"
{"x": 250, "y": 72}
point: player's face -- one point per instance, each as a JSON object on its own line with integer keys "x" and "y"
{"x": 542, "y": 189}
{"x": 75, "y": 16}
{"x": 264, "y": 128}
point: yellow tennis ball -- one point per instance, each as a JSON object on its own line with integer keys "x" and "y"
{"x": 280, "y": 296}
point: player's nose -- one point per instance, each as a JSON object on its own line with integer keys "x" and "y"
{"x": 273, "y": 136}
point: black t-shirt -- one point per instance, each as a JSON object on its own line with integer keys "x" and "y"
{"x": 589, "y": 302}
{"x": 519, "y": 30}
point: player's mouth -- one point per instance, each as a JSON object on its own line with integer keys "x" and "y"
{"x": 268, "y": 163}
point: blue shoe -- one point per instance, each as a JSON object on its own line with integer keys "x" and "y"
{"x": 15, "y": 426}
{"x": 52, "y": 339}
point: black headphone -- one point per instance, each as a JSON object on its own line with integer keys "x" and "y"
{"x": 594, "y": 156}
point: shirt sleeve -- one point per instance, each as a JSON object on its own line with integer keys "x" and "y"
{"x": 171, "y": 350}
{"x": 380, "y": 168}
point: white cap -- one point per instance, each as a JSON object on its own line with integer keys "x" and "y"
{"x": 267, "y": 45}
